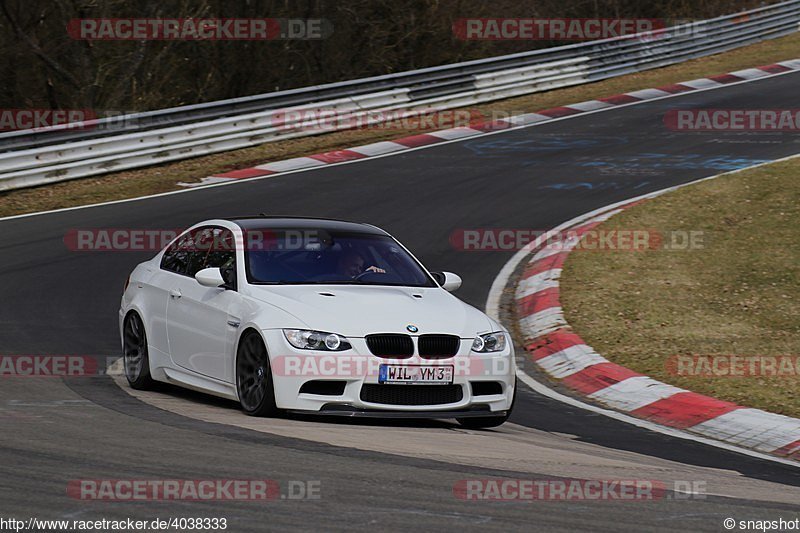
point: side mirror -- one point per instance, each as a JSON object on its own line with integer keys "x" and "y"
{"x": 449, "y": 281}
{"x": 210, "y": 277}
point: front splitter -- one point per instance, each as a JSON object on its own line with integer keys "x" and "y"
{"x": 347, "y": 411}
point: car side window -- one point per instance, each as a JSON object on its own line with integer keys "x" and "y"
{"x": 222, "y": 252}
{"x": 179, "y": 254}
{"x": 208, "y": 247}
{"x": 203, "y": 244}
{"x": 223, "y": 256}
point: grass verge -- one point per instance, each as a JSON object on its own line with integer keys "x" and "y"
{"x": 163, "y": 178}
{"x": 737, "y": 293}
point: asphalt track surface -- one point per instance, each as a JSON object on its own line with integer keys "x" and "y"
{"x": 55, "y": 301}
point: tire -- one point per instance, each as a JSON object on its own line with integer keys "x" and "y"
{"x": 135, "y": 357}
{"x": 485, "y": 422}
{"x": 254, "y": 384}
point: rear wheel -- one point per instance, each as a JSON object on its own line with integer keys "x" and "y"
{"x": 254, "y": 377}
{"x": 134, "y": 353}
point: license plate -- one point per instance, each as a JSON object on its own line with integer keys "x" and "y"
{"x": 416, "y": 374}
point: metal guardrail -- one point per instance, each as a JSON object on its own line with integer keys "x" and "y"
{"x": 32, "y": 158}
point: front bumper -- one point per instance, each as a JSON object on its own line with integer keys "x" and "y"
{"x": 293, "y": 368}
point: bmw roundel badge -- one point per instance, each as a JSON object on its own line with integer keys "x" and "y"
{"x": 412, "y": 328}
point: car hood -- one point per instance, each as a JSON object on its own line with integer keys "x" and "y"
{"x": 356, "y": 311}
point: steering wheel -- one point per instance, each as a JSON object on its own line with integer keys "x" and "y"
{"x": 358, "y": 277}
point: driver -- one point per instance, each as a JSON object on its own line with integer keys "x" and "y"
{"x": 351, "y": 264}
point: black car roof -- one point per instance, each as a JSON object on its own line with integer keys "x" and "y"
{"x": 262, "y": 222}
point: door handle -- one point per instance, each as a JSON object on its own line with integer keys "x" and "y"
{"x": 175, "y": 293}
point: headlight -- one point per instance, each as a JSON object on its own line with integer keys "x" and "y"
{"x": 316, "y": 340}
{"x": 491, "y": 342}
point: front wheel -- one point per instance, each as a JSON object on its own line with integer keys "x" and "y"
{"x": 135, "y": 355}
{"x": 254, "y": 377}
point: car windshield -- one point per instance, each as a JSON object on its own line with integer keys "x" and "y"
{"x": 303, "y": 256}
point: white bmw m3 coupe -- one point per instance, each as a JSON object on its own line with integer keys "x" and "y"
{"x": 313, "y": 316}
